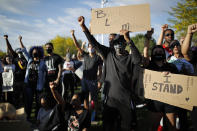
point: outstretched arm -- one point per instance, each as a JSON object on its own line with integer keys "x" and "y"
{"x": 187, "y": 42}
{"x": 160, "y": 39}
{"x": 9, "y": 47}
{"x": 100, "y": 48}
{"x": 21, "y": 43}
{"x": 75, "y": 41}
{"x": 55, "y": 94}
{"x": 148, "y": 36}
{"x": 135, "y": 52}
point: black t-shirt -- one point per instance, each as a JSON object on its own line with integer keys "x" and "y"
{"x": 56, "y": 122}
{"x": 64, "y": 120}
{"x": 90, "y": 66}
{"x": 166, "y": 67}
{"x": 33, "y": 72}
{"x": 52, "y": 63}
{"x": 21, "y": 65}
{"x": 78, "y": 122}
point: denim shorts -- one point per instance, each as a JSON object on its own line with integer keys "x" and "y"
{"x": 90, "y": 86}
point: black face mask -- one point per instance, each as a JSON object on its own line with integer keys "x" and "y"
{"x": 35, "y": 55}
{"x": 158, "y": 57}
{"x": 119, "y": 47}
{"x": 49, "y": 51}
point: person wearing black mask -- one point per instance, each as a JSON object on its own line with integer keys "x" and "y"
{"x": 117, "y": 114}
{"x": 19, "y": 75}
{"x": 158, "y": 63}
{"x": 54, "y": 66}
{"x": 34, "y": 77}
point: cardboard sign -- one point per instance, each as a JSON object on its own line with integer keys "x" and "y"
{"x": 113, "y": 19}
{"x": 8, "y": 80}
{"x": 174, "y": 89}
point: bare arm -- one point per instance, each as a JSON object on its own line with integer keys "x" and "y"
{"x": 148, "y": 36}
{"x": 160, "y": 39}
{"x": 75, "y": 41}
{"x": 59, "y": 74}
{"x": 85, "y": 129}
{"x": 55, "y": 94}
{"x": 9, "y": 47}
{"x": 136, "y": 56}
{"x": 21, "y": 43}
{"x": 187, "y": 42}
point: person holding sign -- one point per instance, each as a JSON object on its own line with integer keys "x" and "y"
{"x": 117, "y": 114}
{"x": 158, "y": 63}
{"x": 8, "y": 79}
{"x": 185, "y": 51}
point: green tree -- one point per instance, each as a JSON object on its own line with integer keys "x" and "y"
{"x": 61, "y": 44}
{"x": 183, "y": 14}
{"x": 139, "y": 40}
{"x": 2, "y": 54}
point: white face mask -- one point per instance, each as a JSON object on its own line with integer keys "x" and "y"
{"x": 91, "y": 50}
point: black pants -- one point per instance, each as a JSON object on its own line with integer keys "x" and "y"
{"x": 118, "y": 118}
{"x": 30, "y": 94}
{"x": 194, "y": 118}
{"x": 68, "y": 86}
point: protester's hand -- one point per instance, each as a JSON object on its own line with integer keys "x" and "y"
{"x": 72, "y": 32}
{"x": 150, "y": 32}
{"x": 164, "y": 27}
{"x": 52, "y": 85}
{"x": 20, "y": 37}
{"x": 99, "y": 85}
{"x": 5, "y": 36}
{"x": 81, "y": 20}
{"x": 56, "y": 82}
{"x": 192, "y": 28}
{"x": 83, "y": 43}
{"x": 165, "y": 73}
{"x": 125, "y": 33}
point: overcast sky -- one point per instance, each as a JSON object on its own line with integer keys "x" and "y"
{"x": 38, "y": 21}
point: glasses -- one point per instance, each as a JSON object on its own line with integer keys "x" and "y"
{"x": 170, "y": 35}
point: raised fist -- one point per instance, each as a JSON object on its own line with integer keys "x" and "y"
{"x": 149, "y": 33}
{"x": 192, "y": 28}
{"x": 72, "y": 32}
{"x": 5, "y": 36}
{"x": 164, "y": 27}
{"x": 81, "y": 20}
{"x": 20, "y": 37}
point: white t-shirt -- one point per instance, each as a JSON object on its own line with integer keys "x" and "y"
{"x": 10, "y": 67}
{"x": 67, "y": 65}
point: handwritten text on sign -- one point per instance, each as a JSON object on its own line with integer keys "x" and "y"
{"x": 174, "y": 89}
{"x": 112, "y": 20}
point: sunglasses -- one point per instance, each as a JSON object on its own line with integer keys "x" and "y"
{"x": 169, "y": 35}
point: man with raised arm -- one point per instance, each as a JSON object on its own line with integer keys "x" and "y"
{"x": 91, "y": 65}
{"x": 117, "y": 115}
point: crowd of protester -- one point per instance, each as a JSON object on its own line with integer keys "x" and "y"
{"x": 46, "y": 84}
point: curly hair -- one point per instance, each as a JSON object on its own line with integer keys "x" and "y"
{"x": 39, "y": 49}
